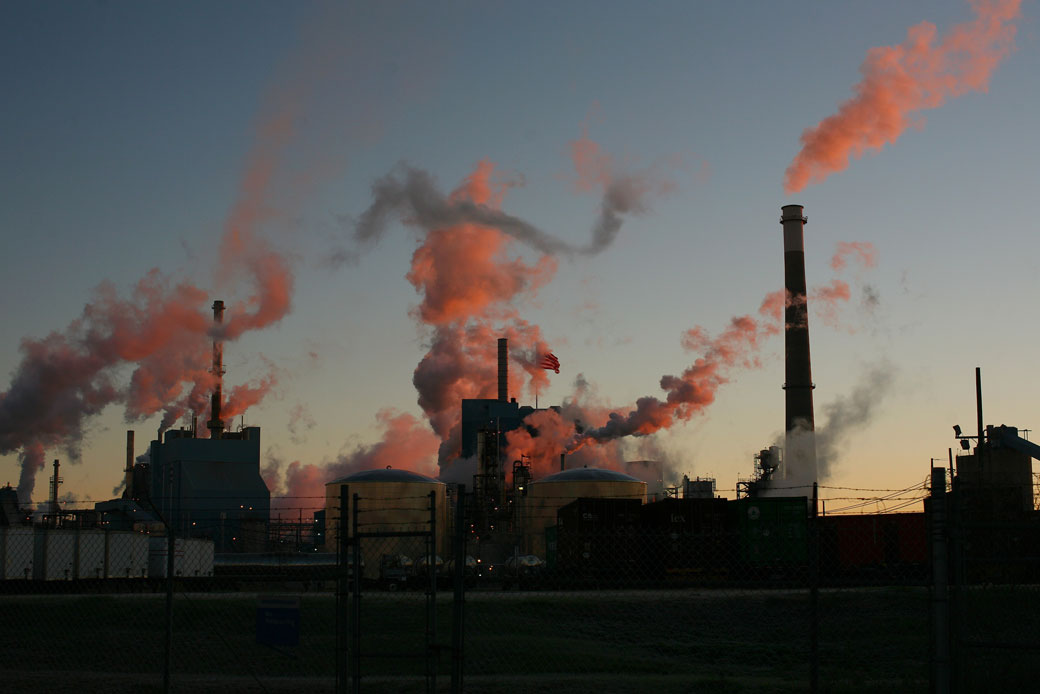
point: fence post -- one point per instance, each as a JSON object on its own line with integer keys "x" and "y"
{"x": 171, "y": 544}
{"x": 432, "y": 649}
{"x": 940, "y": 586}
{"x": 459, "y": 578}
{"x": 814, "y": 594}
{"x": 341, "y": 592}
{"x": 355, "y": 602}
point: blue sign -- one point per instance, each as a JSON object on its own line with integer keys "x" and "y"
{"x": 278, "y": 621}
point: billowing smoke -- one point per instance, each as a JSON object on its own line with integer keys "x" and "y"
{"x": 900, "y": 81}
{"x": 847, "y": 414}
{"x": 694, "y": 389}
{"x": 406, "y": 443}
{"x": 163, "y": 331}
{"x": 411, "y": 196}
{"x": 300, "y": 421}
{"x": 862, "y": 251}
{"x": 469, "y": 273}
{"x": 842, "y": 417}
{"x": 687, "y": 394}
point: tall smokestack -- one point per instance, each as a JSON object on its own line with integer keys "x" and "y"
{"x": 128, "y": 491}
{"x": 503, "y": 369}
{"x": 216, "y": 424}
{"x": 800, "y": 446}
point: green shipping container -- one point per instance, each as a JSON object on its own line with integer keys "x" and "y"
{"x": 773, "y": 530}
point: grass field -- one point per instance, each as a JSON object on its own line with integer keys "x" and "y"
{"x": 596, "y": 641}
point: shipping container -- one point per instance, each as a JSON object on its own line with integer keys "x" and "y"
{"x": 772, "y": 531}
{"x": 90, "y": 553}
{"x": 198, "y": 558}
{"x": 591, "y": 514}
{"x": 55, "y": 554}
{"x": 127, "y": 554}
{"x": 690, "y": 516}
{"x": 16, "y": 553}
{"x": 851, "y": 543}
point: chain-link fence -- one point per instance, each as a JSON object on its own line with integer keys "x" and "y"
{"x": 420, "y": 593}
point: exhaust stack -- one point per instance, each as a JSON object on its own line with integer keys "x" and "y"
{"x": 503, "y": 369}
{"x": 128, "y": 491}
{"x": 216, "y": 424}
{"x": 55, "y": 483}
{"x": 800, "y": 445}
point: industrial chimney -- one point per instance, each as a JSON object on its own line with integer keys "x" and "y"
{"x": 128, "y": 491}
{"x": 800, "y": 444}
{"x": 216, "y": 424}
{"x": 503, "y": 369}
{"x": 55, "y": 483}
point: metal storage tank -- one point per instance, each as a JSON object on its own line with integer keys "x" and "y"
{"x": 388, "y": 500}
{"x": 546, "y": 496}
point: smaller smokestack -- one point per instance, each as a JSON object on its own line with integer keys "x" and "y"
{"x": 563, "y": 460}
{"x": 55, "y": 483}
{"x": 216, "y": 424}
{"x": 128, "y": 492}
{"x": 503, "y": 369}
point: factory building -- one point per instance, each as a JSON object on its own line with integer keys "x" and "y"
{"x": 211, "y": 488}
{"x": 202, "y": 487}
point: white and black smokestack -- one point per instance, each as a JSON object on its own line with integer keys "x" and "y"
{"x": 798, "y": 387}
{"x": 503, "y": 369}
{"x": 216, "y": 424}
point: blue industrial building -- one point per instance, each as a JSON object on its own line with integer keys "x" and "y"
{"x": 212, "y": 488}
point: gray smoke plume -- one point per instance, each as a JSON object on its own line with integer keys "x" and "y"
{"x": 844, "y": 415}
{"x": 850, "y": 413}
{"x": 410, "y": 195}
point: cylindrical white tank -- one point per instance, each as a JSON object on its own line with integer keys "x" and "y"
{"x": 389, "y": 500}
{"x": 546, "y": 496}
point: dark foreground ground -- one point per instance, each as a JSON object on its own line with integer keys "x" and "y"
{"x": 869, "y": 640}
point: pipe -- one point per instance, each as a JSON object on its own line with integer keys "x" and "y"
{"x": 800, "y": 455}
{"x": 128, "y": 492}
{"x": 503, "y": 369}
{"x": 216, "y": 424}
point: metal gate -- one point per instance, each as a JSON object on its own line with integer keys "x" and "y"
{"x": 395, "y": 575}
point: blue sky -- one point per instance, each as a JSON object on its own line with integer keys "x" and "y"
{"x": 127, "y": 128}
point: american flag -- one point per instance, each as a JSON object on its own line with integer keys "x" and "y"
{"x": 550, "y": 362}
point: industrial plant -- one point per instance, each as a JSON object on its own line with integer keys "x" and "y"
{"x": 205, "y": 488}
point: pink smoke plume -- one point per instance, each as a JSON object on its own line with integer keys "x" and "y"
{"x": 467, "y": 276}
{"x": 825, "y": 300}
{"x": 899, "y": 81}
{"x": 405, "y": 443}
{"x": 162, "y": 330}
{"x": 862, "y": 251}
{"x": 736, "y": 348}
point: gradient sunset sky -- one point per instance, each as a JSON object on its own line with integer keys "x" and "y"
{"x": 232, "y": 148}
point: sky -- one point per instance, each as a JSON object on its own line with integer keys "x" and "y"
{"x": 380, "y": 190}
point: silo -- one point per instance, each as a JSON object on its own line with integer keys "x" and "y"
{"x": 389, "y": 500}
{"x": 546, "y": 496}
